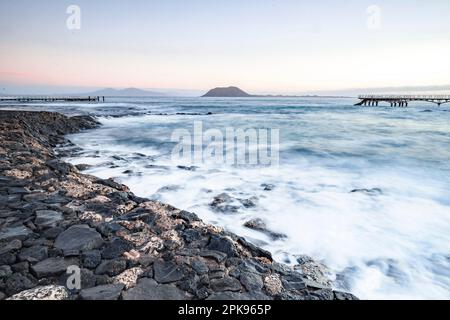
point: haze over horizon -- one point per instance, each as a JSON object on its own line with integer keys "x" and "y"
{"x": 263, "y": 47}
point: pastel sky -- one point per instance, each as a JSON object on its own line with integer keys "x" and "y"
{"x": 260, "y": 45}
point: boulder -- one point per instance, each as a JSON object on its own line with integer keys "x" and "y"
{"x": 105, "y": 292}
{"x": 12, "y": 233}
{"x": 149, "y": 289}
{"x": 78, "y": 238}
{"x": 33, "y": 254}
{"x": 167, "y": 271}
{"x": 111, "y": 267}
{"x": 226, "y": 284}
{"x": 52, "y": 267}
{"x": 47, "y": 218}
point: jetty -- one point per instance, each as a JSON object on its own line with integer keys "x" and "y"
{"x": 51, "y": 99}
{"x": 401, "y": 100}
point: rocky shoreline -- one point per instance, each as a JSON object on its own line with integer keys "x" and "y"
{"x": 57, "y": 223}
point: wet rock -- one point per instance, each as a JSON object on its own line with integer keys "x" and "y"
{"x": 344, "y": 296}
{"x": 249, "y": 203}
{"x": 370, "y": 192}
{"x": 251, "y": 281}
{"x": 149, "y": 289}
{"x": 222, "y": 244}
{"x": 91, "y": 259}
{"x": 33, "y": 254}
{"x": 78, "y": 238}
{"x": 268, "y": 186}
{"x": 18, "y": 282}
{"x": 225, "y": 284}
{"x": 116, "y": 248}
{"x": 167, "y": 271}
{"x": 83, "y": 167}
{"x": 224, "y": 203}
{"x": 51, "y": 292}
{"x": 52, "y": 267}
{"x": 259, "y": 225}
{"x": 188, "y": 168}
{"x": 105, "y": 292}
{"x": 111, "y": 267}
{"x": 12, "y": 233}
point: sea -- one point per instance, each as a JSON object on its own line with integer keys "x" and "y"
{"x": 363, "y": 190}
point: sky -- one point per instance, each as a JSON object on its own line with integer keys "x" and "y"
{"x": 262, "y": 46}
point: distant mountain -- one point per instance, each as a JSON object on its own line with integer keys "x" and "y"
{"x": 227, "y": 92}
{"x": 128, "y": 92}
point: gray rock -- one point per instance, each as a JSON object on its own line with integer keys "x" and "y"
{"x": 18, "y": 282}
{"x": 2, "y": 296}
{"x": 12, "y": 233}
{"x": 52, "y": 233}
{"x": 111, "y": 267}
{"x": 52, "y": 267}
{"x": 5, "y": 271}
{"x": 47, "y": 218}
{"x": 167, "y": 271}
{"x": 33, "y": 254}
{"x": 225, "y": 284}
{"x": 91, "y": 259}
{"x": 224, "y": 203}
{"x": 78, "y": 238}
{"x": 105, "y": 292}
{"x": 251, "y": 281}
{"x": 10, "y": 246}
{"x": 7, "y": 258}
{"x": 216, "y": 255}
{"x": 222, "y": 244}
{"x": 259, "y": 225}
{"x": 149, "y": 289}
{"x": 51, "y": 292}
{"x": 344, "y": 296}
{"x": 199, "y": 266}
{"x": 116, "y": 248}
{"x": 21, "y": 267}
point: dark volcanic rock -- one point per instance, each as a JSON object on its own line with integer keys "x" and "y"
{"x": 105, "y": 292}
{"x": 111, "y": 267}
{"x": 18, "y": 232}
{"x": 91, "y": 259}
{"x": 33, "y": 254}
{"x": 149, "y": 289}
{"x": 370, "y": 192}
{"x": 225, "y": 284}
{"x": 52, "y": 267}
{"x": 116, "y": 248}
{"x": 167, "y": 271}
{"x": 78, "y": 238}
{"x": 19, "y": 282}
{"x": 48, "y": 218}
{"x": 223, "y": 244}
{"x": 260, "y": 225}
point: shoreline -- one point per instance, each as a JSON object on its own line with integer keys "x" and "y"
{"x": 126, "y": 247}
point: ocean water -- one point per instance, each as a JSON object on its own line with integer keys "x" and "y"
{"x": 388, "y": 240}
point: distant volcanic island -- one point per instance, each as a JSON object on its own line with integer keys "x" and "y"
{"x": 227, "y": 92}
{"x": 235, "y": 92}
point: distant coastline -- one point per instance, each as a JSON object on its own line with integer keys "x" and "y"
{"x": 235, "y": 92}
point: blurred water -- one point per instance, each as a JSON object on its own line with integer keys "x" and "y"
{"x": 390, "y": 241}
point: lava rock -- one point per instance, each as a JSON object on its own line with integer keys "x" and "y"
{"x": 116, "y": 248}
{"x": 91, "y": 259}
{"x": 111, "y": 267}
{"x": 52, "y": 267}
{"x": 251, "y": 281}
{"x": 149, "y": 289}
{"x": 48, "y": 218}
{"x": 225, "y": 284}
{"x": 222, "y": 244}
{"x": 167, "y": 271}
{"x": 78, "y": 238}
{"x": 18, "y": 282}
{"x": 33, "y": 254}
{"x": 260, "y": 225}
{"x": 105, "y": 292}
{"x": 12, "y": 233}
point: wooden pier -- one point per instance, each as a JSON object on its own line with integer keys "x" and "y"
{"x": 401, "y": 100}
{"x": 52, "y": 99}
